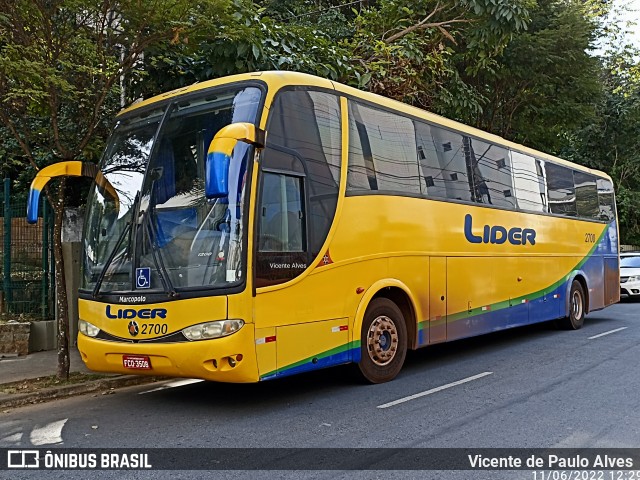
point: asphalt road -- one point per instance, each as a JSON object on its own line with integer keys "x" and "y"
{"x": 532, "y": 387}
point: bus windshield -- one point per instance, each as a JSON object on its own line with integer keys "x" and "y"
{"x": 162, "y": 233}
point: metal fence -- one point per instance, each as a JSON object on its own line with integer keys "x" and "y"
{"x": 27, "y": 285}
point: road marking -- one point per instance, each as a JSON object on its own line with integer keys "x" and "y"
{"x": 434, "y": 390}
{"x": 177, "y": 383}
{"x": 607, "y": 333}
{"x": 49, "y": 434}
{"x": 11, "y": 439}
{"x": 7, "y": 359}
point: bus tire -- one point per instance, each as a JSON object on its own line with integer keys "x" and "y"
{"x": 383, "y": 341}
{"x": 577, "y": 308}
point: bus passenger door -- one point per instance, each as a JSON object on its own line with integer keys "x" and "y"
{"x": 437, "y": 299}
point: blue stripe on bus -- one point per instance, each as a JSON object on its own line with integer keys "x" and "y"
{"x": 540, "y": 306}
{"x": 346, "y": 356}
{"x": 593, "y": 267}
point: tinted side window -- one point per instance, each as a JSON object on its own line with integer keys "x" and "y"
{"x": 281, "y": 226}
{"x": 606, "y": 200}
{"x": 530, "y": 185}
{"x": 562, "y": 195}
{"x": 461, "y": 167}
{"x": 490, "y": 168}
{"x": 442, "y": 162}
{"x": 302, "y": 155}
{"x": 586, "y": 195}
{"x": 382, "y": 151}
{"x": 304, "y": 136}
{"x": 281, "y": 253}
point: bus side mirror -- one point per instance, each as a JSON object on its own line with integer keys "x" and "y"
{"x": 216, "y": 179}
{"x": 69, "y": 169}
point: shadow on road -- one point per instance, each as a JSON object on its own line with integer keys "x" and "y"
{"x": 340, "y": 381}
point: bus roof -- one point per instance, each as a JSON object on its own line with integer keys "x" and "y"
{"x": 278, "y": 79}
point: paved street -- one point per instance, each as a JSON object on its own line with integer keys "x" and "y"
{"x": 529, "y": 387}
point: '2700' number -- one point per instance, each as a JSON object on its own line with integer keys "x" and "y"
{"x": 154, "y": 328}
{"x": 589, "y": 238}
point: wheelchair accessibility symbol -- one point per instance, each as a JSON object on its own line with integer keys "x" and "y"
{"x": 143, "y": 277}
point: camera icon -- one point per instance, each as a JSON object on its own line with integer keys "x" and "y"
{"x": 23, "y": 459}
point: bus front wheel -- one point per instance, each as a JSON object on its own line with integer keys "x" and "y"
{"x": 383, "y": 341}
{"x": 577, "y": 308}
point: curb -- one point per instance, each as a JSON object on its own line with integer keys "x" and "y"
{"x": 54, "y": 393}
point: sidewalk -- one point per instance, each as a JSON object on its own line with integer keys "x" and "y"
{"x": 43, "y": 364}
{"x": 38, "y": 364}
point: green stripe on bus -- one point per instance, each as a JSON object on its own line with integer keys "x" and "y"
{"x": 531, "y": 296}
{"x": 325, "y": 354}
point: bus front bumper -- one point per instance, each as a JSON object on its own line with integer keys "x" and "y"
{"x": 226, "y": 359}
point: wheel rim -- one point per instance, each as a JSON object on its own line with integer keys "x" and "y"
{"x": 382, "y": 340}
{"x": 576, "y": 305}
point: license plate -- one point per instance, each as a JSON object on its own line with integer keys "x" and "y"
{"x": 136, "y": 362}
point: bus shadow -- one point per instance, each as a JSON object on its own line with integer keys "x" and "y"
{"x": 341, "y": 380}
{"x": 497, "y": 342}
{"x": 266, "y": 396}
{"x": 460, "y": 350}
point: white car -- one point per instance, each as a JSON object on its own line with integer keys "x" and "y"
{"x": 630, "y": 275}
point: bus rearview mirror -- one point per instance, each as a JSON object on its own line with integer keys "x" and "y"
{"x": 220, "y": 154}
{"x": 68, "y": 169}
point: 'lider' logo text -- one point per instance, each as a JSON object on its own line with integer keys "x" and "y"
{"x": 133, "y": 313}
{"x": 498, "y": 234}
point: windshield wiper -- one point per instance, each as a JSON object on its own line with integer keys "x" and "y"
{"x": 156, "y": 255}
{"x": 109, "y": 259}
{"x": 148, "y": 222}
{"x": 127, "y": 229}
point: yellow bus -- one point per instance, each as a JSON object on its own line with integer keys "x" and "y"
{"x": 265, "y": 224}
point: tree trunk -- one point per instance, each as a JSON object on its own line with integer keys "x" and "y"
{"x": 61, "y": 291}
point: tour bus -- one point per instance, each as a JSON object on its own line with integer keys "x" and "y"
{"x": 265, "y": 224}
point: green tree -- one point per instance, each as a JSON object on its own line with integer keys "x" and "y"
{"x": 611, "y": 142}
{"x": 545, "y": 84}
{"x": 401, "y": 50}
{"x": 62, "y": 66}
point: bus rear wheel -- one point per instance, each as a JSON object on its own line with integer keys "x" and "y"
{"x": 577, "y": 308}
{"x": 383, "y": 341}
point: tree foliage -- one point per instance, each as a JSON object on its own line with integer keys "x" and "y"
{"x": 406, "y": 52}
{"x": 545, "y": 84}
{"x": 62, "y": 61}
{"x": 610, "y": 139}
{"x": 61, "y": 67}
{"x": 611, "y": 142}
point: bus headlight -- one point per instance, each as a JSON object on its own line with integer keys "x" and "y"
{"x": 205, "y": 331}
{"x": 88, "y": 329}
